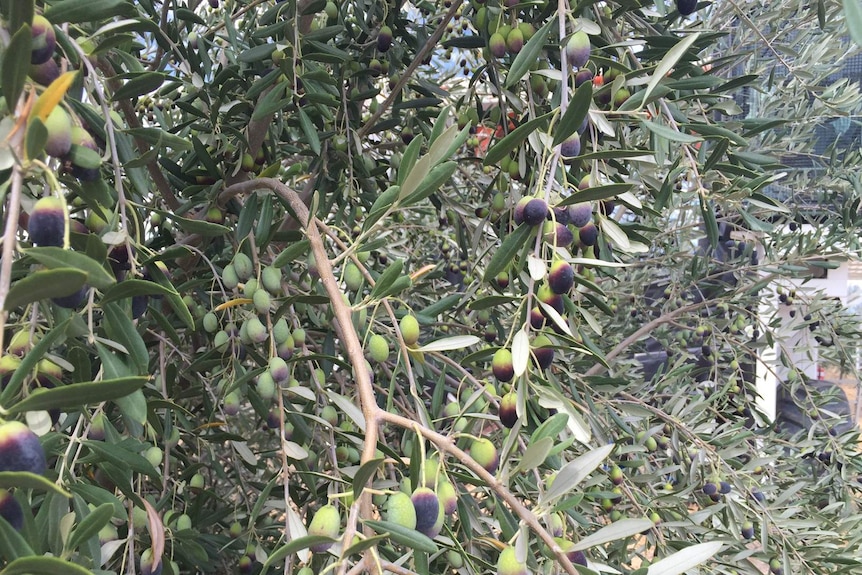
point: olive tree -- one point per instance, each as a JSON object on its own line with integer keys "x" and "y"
{"x": 315, "y": 286}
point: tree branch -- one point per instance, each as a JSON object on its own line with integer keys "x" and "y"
{"x": 417, "y": 61}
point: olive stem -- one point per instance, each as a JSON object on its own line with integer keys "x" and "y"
{"x": 11, "y": 230}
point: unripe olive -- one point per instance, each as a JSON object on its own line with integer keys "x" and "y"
{"x": 378, "y": 348}
{"x": 210, "y": 322}
{"x": 409, "y": 327}
{"x": 447, "y": 496}
{"x": 243, "y": 266}
{"x": 508, "y": 563}
{"x": 270, "y": 278}
{"x": 400, "y": 510}
{"x": 326, "y": 522}
{"x": 229, "y": 277}
{"x": 352, "y": 277}
{"x": 262, "y": 301}
{"x": 266, "y": 387}
{"x": 485, "y": 454}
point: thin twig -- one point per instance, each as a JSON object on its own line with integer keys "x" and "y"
{"x": 640, "y": 332}
{"x": 417, "y": 61}
{"x": 447, "y": 445}
{"x": 11, "y": 231}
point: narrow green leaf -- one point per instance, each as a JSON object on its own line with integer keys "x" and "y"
{"x": 499, "y": 150}
{"x": 420, "y": 170}
{"x": 755, "y": 224}
{"x": 407, "y": 537}
{"x": 670, "y": 134}
{"x": 12, "y": 543}
{"x": 334, "y": 55}
{"x": 717, "y": 131}
{"x": 290, "y": 253}
{"x": 90, "y": 525}
{"x": 247, "y": 214}
{"x": 755, "y": 126}
{"x": 133, "y": 407}
{"x": 507, "y": 251}
{"x": 617, "y": 154}
{"x": 43, "y": 566}
{"x": 296, "y": 545}
{"x": 387, "y": 278}
{"x": 613, "y": 532}
{"x": 263, "y": 229}
{"x": 756, "y": 159}
{"x": 596, "y": 193}
{"x": 77, "y": 394}
{"x": 438, "y": 176}
{"x": 520, "y": 352}
{"x": 53, "y": 258}
{"x": 715, "y": 156}
{"x": 309, "y": 130}
{"x": 16, "y": 65}
{"x": 737, "y": 82}
{"x": 853, "y": 17}
{"x": 159, "y": 138}
{"x": 120, "y": 328}
{"x": 669, "y": 61}
{"x": 27, "y": 480}
{"x": 37, "y": 136}
{"x": 363, "y": 544}
{"x": 131, "y": 288}
{"x": 442, "y": 144}
{"x": 200, "y": 227}
{"x": 686, "y": 559}
{"x": 576, "y": 471}
{"x": 173, "y": 298}
{"x": 577, "y": 110}
{"x": 440, "y": 125}
{"x": 491, "y": 301}
{"x": 382, "y": 204}
{"x": 44, "y": 284}
{"x": 257, "y": 53}
{"x": 139, "y": 84}
{"x": 76, "y": 11}
{"x": 20, "y": 12}
{"x": 529, "y": 54}
{"x": 442, "y": 305}
{"x": 535, "y": 454}
{"x": 408, "y": 159}
{"x": 119, "y": 455}
{"x": 551, "y": 427}
{"x": 450, "y": 343}
{"x": 455, "y": 144}
{"x": 694, "y": 83}
{"x": 708, "y": 214}
{"x": 272, "y": 102}
{"x": 417, "y": 103}
{"x": 636, "y": 101}
{"x": 769, "y": 203}
{"x": 365, "y": 472}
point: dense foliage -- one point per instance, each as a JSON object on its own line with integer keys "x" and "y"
{"x": 356, "y": 286}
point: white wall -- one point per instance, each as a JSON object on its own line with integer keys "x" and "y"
{"x": 798, "y": 344}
